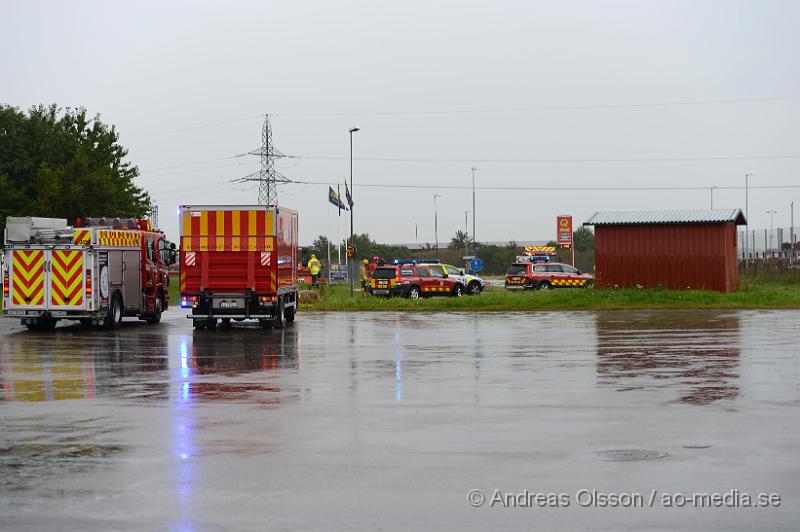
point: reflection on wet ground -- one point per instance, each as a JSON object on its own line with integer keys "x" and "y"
{"x": 670, "y": 349}
{"x": 355, "y": 418}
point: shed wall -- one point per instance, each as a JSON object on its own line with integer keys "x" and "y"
{"x": 675, "y": 256}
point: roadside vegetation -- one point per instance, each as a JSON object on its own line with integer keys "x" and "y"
{"x": 755, "y": 293}
{"x": 64, "y": 163}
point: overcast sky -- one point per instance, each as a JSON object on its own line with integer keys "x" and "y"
{"x": 525, "y": 80}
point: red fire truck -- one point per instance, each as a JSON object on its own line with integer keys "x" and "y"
{"x": 238, "y": 263}
{"x": 96, "y": 272}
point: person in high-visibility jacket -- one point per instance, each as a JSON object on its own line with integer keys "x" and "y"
{"x": 314, "y": 265}
{"x": 364, "y": 276}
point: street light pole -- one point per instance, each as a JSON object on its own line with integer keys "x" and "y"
{"x": 436, "y": 223}
{"x": 791, "y": 232}
{"x": 474, "y": 252}
{"x": 416, "y": 240}
{"x": 771, "y": 226}
{"x": 747, "y": 215}
{"x": 466, "y": 232}
{"x": 351, "y": 270}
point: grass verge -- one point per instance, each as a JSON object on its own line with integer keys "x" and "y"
{"x": 772, "y": 292}
{"x": 757, "y": 295}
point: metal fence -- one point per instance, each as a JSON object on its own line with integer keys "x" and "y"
{"x": 761, "y": 244}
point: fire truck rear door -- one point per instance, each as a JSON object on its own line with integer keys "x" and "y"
{"x": 26, "y": 273}
{"x": 67, "y": 279}
{"x": 132, "y": 279}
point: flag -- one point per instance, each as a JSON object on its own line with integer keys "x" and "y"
{"x": 334, "y": 198}
{"x": 347, "y": 195}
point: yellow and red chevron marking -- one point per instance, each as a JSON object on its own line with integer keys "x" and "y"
{"x": 110, "y": 237}
{"x": 182, "y": 287}
{"x": 540, "y": 249}
{"x": 273, "y": 287}
{"x": 66, "y": 280}
{"x": 28, "y": 277}
{"x": 568, "y": 282}
{"x": 436, "y": 289}
{"x": 82, "y": 237}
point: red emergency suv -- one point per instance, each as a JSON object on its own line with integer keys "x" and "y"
{"x": 543, "y": 276}
{"x": 414, "y": 281}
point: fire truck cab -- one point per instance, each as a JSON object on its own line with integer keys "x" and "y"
{"x": 96, "y": 272}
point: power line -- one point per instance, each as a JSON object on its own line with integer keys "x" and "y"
{"x": 146, "y": 175}
{"x": 190, "y": 128}
{"x": 551, "y": 189}
{"x": 189, "y": 163}
{"x": 548, "y": 161}
{"x": 548, "y": 108}
{"x": 190, "y": 170}
{"x": 474, "y": 111}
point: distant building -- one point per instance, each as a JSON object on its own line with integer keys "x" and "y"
{"x": 442, "y": 245}
{"x": 693, "y": 249}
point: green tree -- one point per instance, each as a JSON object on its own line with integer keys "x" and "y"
{"x": 320, "y": 247}
{"x": 64, "y": 164}
{"x": 583, "y": 239}
{"x": 460, "y": 240}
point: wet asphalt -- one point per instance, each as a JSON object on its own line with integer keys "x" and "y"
{"x": 390, "y": 421}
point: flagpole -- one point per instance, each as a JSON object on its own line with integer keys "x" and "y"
{"x": 328, "y": 227}
{"x": 339, "y": 227}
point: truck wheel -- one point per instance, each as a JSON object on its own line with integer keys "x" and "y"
{"x": 457, "y": 290}
{"x": 290, "y": 312}
{"x": 413, "y": 292}
{"x": 42, "y": 324}
{"x": 156, "y": 316}
{"x": 279, "y": 322}
{"x": 113, "y": 319}
{"x": 474, "y": 288}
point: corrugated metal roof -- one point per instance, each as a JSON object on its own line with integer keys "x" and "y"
{"x": 666, "y": 217}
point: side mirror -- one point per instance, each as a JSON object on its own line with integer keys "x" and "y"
{"x": 173, "y": 255}
{"x": 460, "y": 272}
{"x": 445, "y": 275}
{"x": 172, "y": 245}
{"x": 579, "y": 272}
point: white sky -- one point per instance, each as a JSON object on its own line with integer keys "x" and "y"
{"x": 156, "y": 67}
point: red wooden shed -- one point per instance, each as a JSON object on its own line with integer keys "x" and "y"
{"x": 673, "y": 249}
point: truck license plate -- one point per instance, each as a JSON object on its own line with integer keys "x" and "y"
{"x": 229, "y": 303}
{"x": 381, "y": 292}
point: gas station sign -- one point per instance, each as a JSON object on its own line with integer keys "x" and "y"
{"x": 564, "y": 231}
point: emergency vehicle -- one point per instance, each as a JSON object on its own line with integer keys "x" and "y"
{"x": 96, "y": 272}
{"x": 238, "y": 263}
{"x": 473, "y": 284}
{"x": 543, "y": 276}
{"x": 414, "y": 281}
{"x": 538, "y": 254}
